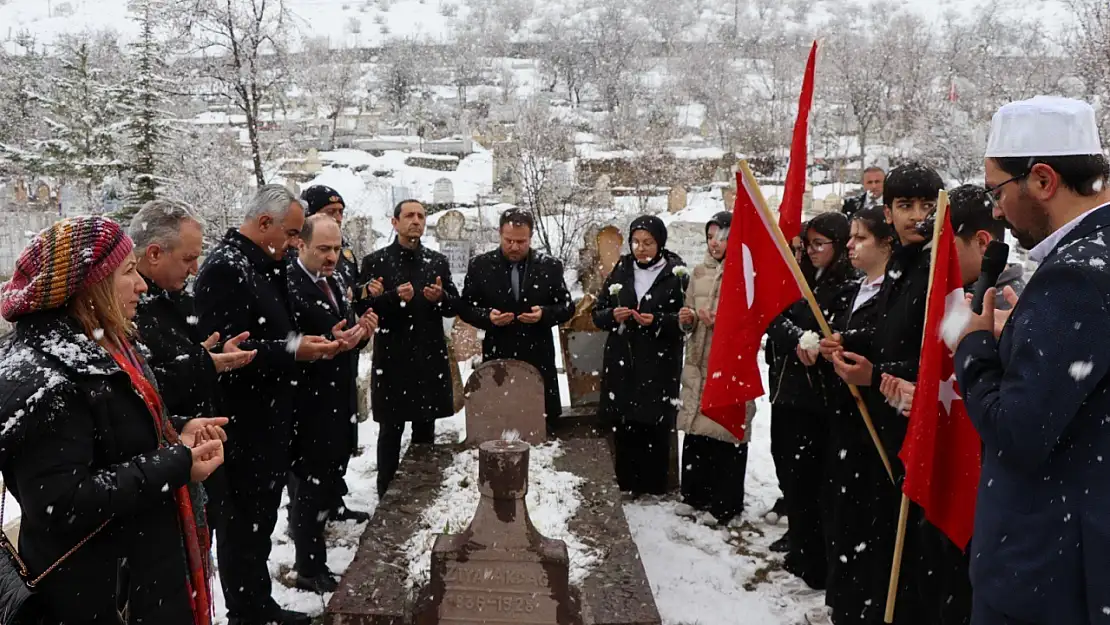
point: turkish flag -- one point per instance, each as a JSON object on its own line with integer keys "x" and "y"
{"x": 790, "y": 211}
{"x": 942, "y": 451}
{"x": 757, "y": 285}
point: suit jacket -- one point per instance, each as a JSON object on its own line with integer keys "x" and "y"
{"x": 488, "y": 286}
{"x": 1040, "y": 399}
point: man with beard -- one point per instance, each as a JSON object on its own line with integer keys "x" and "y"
{"x": 410, "y": 288}
{"x": 243, "y": 287}
{"x": 516, "y": 295}
{"x": 871, "y": 196}
{"x": 324, "y": 200}
{"x": 1037, "y": 385}
{"x": 325, "y": 403}
{"x": 168, "y": 237}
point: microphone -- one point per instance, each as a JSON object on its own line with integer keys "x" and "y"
{"x": 994, "y": 263}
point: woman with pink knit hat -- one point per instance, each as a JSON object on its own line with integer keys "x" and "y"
{"x": 113, "y": 526}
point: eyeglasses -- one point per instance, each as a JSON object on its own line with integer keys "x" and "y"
{"x": 818, "y": 245}
{"x": 995, "y": 193}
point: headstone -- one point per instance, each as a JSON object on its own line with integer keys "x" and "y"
{"x": 20, "y": 191}
{"x": 728, "y": 196}
{"x": 500, "y": 569}
{"x": 603, "y": 195}
{"x": 832, "y": 202}
{"x": 508, "y": 196}
{"x": 774, "y": 202}
{"x": 464, "y": 338}
{"x": 312, "y": 163}
{"x": 676, "y": 199}
{"x": 42, "y": 193}
{"x": 583, "y": 352}
{"x": 610, "y": 244}
{"x": 443, "y": 192}
{"x": 505, "y": 395}
{"x": 458, "y": 255}
{"x": 450, "y": 225}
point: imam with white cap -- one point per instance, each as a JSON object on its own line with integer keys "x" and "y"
{"x": 1044, "y": 126}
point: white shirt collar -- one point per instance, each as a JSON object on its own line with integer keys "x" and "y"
{"x": 1044, "y": 248}
{"x": 315, "y": 276}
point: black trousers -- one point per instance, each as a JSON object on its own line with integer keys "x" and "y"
{"x": 713, "y": 473}
{"x": 215, "y": 488}
{"x": 801, "y": 438}
{"x": 309, "y": 510}
{"x": 250, "y": 512}
{"x": 389, "y": 447}
{"x": 642, "y": 456}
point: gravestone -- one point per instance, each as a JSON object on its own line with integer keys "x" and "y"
{"x": 465, "y": 341}
{"x": 449, "y": 235}
{"x": 500, "y": 569}
{"x": 503, "y": 395}
{"x": 603, "y": 195}
{"x": 676, "y": 199}
{"x": 728, "y": 197}
{"x": 832, "y": 202}
{"x": 443, "y": 192}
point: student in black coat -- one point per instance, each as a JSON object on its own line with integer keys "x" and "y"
{"x": 410, "y": 288}
{"x": 862, "y": 499}
{"x": 516, "y": 295}
{"x": 324, "y": 200}
{"x": 84, "y": 453}
{"x": 168, "y": 237}
{"x": 639, "y": 306}
{"x": 802, "y": 391}
{"x": 243, "y": 287}
{"x": 926, "y": 593}
{"x": 326, "y": 399}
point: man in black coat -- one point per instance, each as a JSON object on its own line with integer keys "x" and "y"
{"x": 168, "y": 237}
{"x": 410, "y": 288}
{"x": 871, "y": 196}
{"x": 324, "y": 200}
{"x": 516, "y": 295}
{"x": 326, "y": 400}
{"x": 243, "y": 287}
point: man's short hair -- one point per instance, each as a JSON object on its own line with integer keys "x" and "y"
{"x": 873, "y": 169}
{"x": 273, "y": 200}
{"x": 310, "y": 224}
{"x": 401, "y": 205}
{"x": 971, "y": 210}
{"x": 159, "y": 222}
{"x": 911, "y": 181}
{"x": 517, "y": 217}
{"x": 1083, "y": 174}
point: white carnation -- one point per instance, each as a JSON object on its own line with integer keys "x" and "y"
{"x": 614, "y": 289}
{"x": 681, "y": 271}
{"x": 810, "y": 341}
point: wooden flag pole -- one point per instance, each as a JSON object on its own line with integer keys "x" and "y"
{"x": 904, "y": 508}
{"x": 807, "y": 293}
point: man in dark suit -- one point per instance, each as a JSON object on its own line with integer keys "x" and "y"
{"x": 871, "y": 196}
{"x": 168, "y": 237}
{"x": 517, "y": 295}
{"x": 243, "y": 287}
{"x": 1037, "y": 385}
{"x": 325, "y": 404}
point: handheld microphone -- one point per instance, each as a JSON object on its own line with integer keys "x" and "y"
{"x": 994, "y": 263}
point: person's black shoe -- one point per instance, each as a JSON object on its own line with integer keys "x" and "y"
{"x": 343, "y": 513}
{"x": 319, "y": 584}
{"x": 281, "y": 617}
{"x": 781, "y": 545}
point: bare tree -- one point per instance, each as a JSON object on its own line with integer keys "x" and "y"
{"x": 613, "y": 44}
{"x": 403, "y": 71}
{"x": 212, "y": 174}
{"x": 332, "y": 79}
{"x": 1089, "y": 45}
{"x": 243, "y": 44}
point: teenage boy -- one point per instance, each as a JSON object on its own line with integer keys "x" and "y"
{"x": 970, "y": 208}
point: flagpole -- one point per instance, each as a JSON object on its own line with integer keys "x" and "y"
{"x": 807, "y": 293}
{"x": 904, "y": 508}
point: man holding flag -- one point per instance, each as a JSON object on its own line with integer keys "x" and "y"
{"x": 1037, "y": 389}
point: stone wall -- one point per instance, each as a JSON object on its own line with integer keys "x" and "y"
{"x": 16, "y": 230}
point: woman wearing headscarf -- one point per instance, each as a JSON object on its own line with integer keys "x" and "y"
{"x": 87, "y": 448}
{"x": 802, "y": 390}
{"x": 714, "y": 462}
{"x": 639, "y": 306}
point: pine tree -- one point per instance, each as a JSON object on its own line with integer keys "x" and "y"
{"x": 148, "y": 125}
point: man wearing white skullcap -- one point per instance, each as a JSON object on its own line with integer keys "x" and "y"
{"x": 1037, "y": 385}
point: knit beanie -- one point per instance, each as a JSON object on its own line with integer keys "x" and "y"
{"x": 61, "y": 261}
{"x": 318, "y": 196}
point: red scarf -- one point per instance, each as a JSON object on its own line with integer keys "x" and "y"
{"x": 197, "y": 544}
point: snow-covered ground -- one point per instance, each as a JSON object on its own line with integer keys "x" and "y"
{"x": 699, "y": 575}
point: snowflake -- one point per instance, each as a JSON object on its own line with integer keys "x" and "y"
{"x": 192, "y": 320}
{"x": 1080, "y": 370}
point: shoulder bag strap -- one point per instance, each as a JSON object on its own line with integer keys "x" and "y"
{"x": 23, "y": 570}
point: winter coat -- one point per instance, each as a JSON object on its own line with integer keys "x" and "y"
{"x": 411, "y": 378}
{"x": 241, "y": 289}
{"x": 488, "y": 286}
{"x": 1039, "y": 397}
{"x": 78, "y": 448}
{"x": 896, "y": 343}
{"x": 703, "y": 292}
{"x": 324, "y": 413}
{"x": 347, "y": 270}
{"x": 642, "y": 364}
{"x": 791, "y": 382}
{"x": 169, "y": 329}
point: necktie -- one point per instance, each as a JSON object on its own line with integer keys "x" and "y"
{"x": 514, "y": 278}
{"x": 323, "y": 284}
